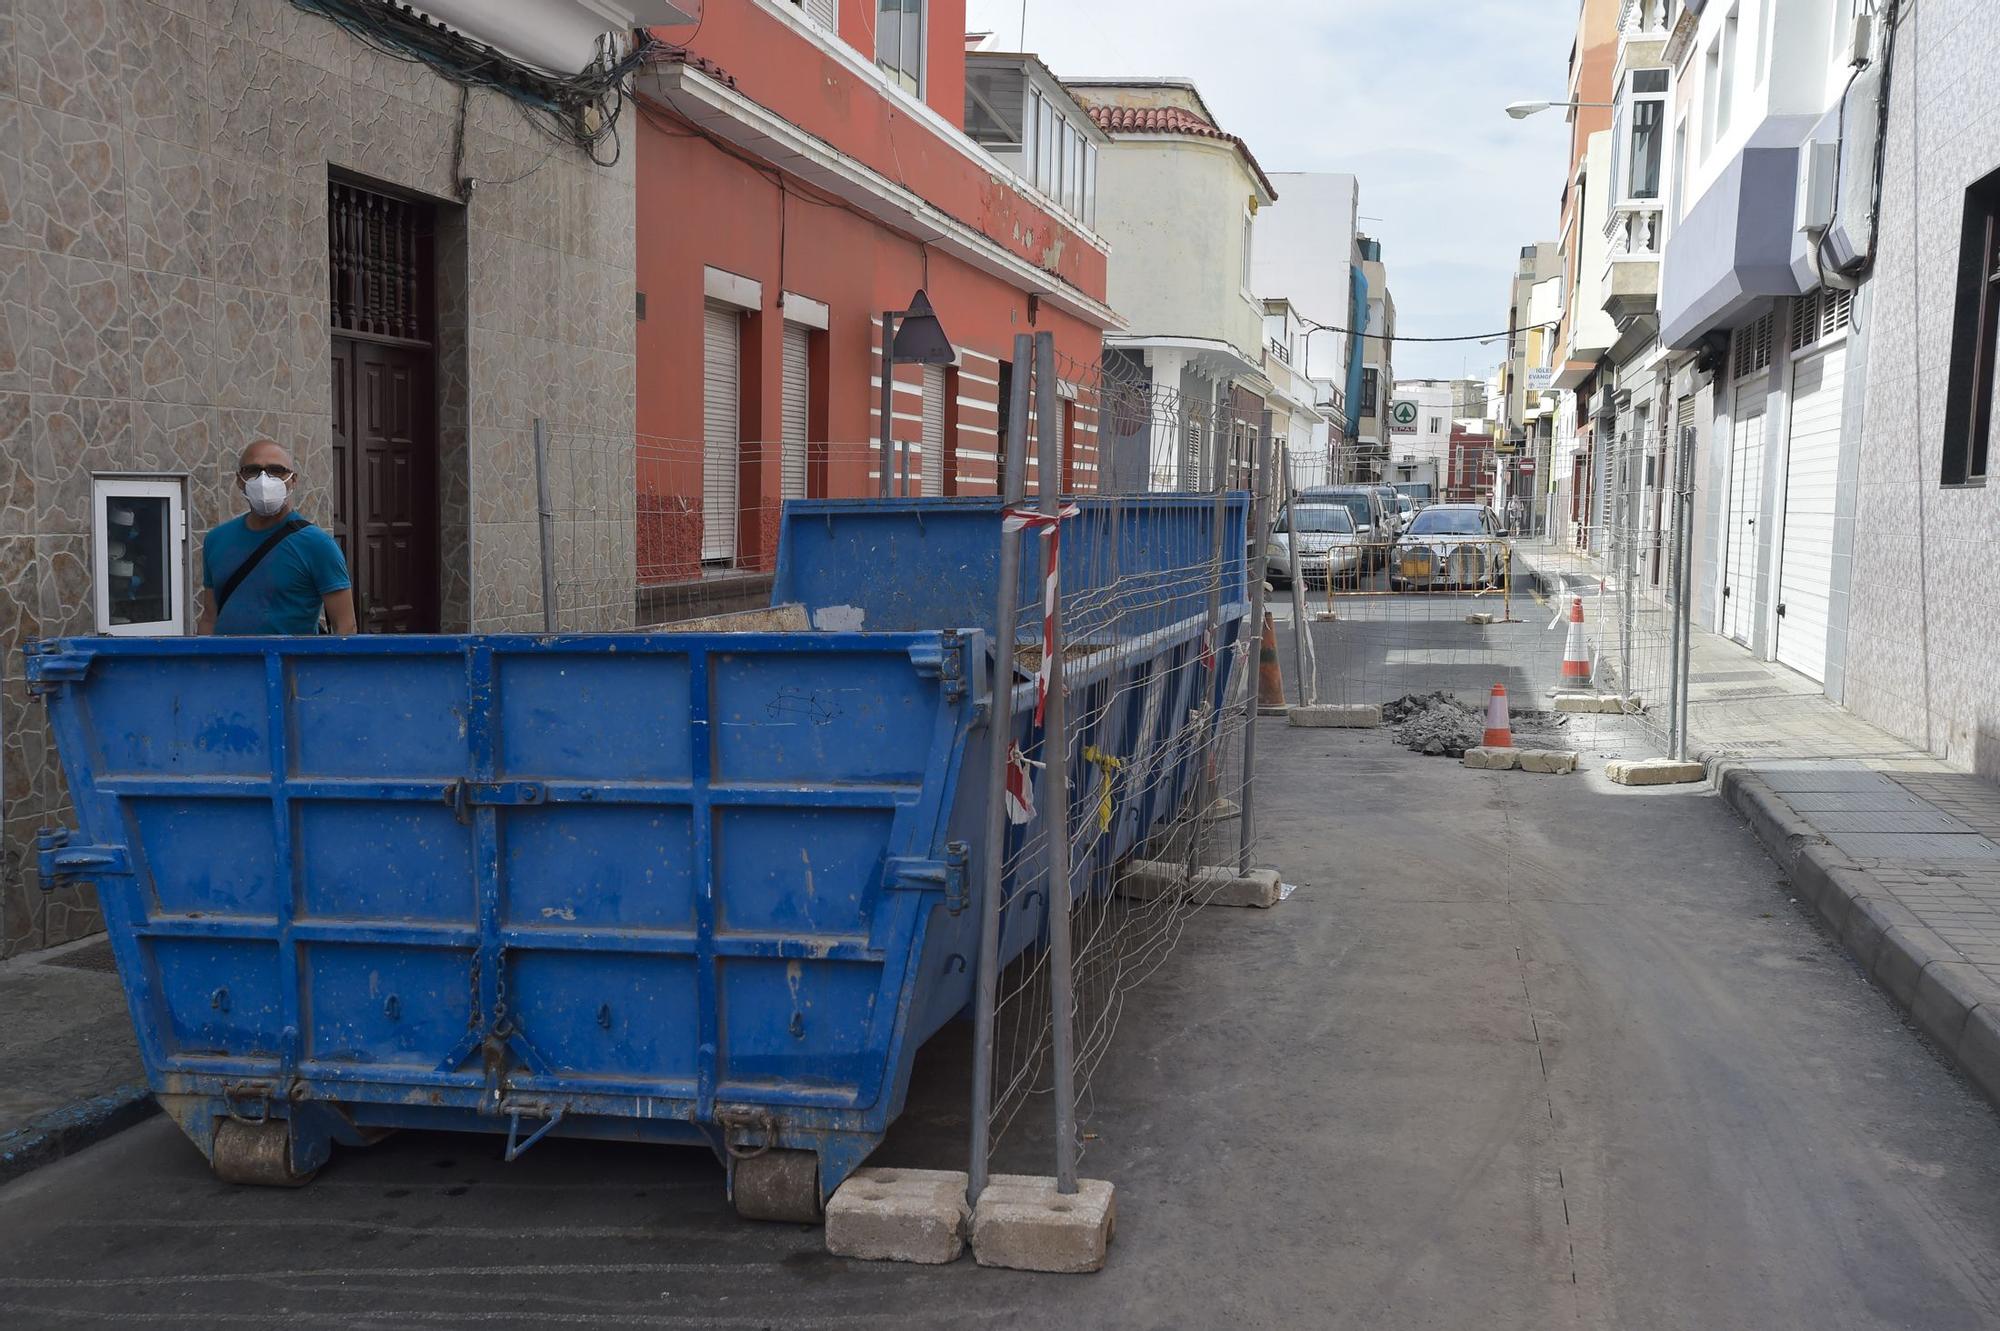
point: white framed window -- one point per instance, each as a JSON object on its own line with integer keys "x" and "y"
{"x": 1677, "y": 183}
{"x": 824, "y": 13}
{"x": 139, "y": 555}
{"x": 1248, "y": 244}
{"x": 1644, "y": 147}
{"x": 899, "y": 43}
{"x": 1725, "y": 88}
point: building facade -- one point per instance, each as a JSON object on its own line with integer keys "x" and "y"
{"x": 804, "y": 171}
{"x": 1177, "y": 200}
{"x": 1915, "y": 515}
{"x": 246, "y": 222}
{"x": 1368, "y": 458}
{"x": 1305, "y": 254}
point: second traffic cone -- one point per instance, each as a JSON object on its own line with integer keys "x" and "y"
{"x": 1576, "y": 652}
{"x": 1499, "y": 727}
{"x": 1270, "y": 683}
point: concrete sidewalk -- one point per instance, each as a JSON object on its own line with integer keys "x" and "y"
{"x": 1899, "y": 853}
{"x": 69, "y": 1067}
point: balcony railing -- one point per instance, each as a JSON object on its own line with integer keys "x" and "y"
{"x": 1633, "y": 231}
{"x": 1646, "y": 18}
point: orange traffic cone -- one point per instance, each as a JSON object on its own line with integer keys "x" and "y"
{"x": 1499, "y": 729}
{"x": 1270, "y": 683}
{"x": 1576, "y": 653}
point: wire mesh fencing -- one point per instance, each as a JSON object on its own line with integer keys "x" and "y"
{"x": 1130, "y": 805}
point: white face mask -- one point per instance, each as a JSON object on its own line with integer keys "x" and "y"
{"x": 266, "y": 495}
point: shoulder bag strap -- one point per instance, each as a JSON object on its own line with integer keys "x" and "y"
{"x": 243, "y": 570}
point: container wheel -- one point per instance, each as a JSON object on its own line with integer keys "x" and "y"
{"x": 778, "y": 1185}
{"x": 258, "y": 1154}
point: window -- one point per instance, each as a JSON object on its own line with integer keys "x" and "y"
{"x": 1726, "y": 89}
{"x": 824, "y": 13}
{"x": 1968, "y": 420}
{"x": 1437, "y": 425}
{"x": 1764, "y": 42}
{"x": 1679, "y": 181}
{"x": 1649, "y": 114}
{"x": 139, "y": 555}
{"x": 899, "y": 42}
{"x": 1368, "y": 392}
{"x": 1243, "y": 276}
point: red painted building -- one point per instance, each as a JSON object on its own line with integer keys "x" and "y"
{"x": 1469, "y": 467}
{"x": 795, "y": 180}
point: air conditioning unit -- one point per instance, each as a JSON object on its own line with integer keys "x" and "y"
{"x": 1819, "y": 171}
{"x": 1606, "y": 405}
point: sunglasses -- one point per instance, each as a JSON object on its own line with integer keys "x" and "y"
{"x": 250, "y": 471}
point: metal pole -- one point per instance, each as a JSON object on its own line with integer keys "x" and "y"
{"x": 1301, "y": 639}
{"x": 1677, "y": 575}
{"x": 1686, "y": 610}
{"x": 546, "y": 513}
{"x": 886, "y": 463}
{"x": 1629, "y": 565}
{"x": 1055, "y": 780}
{"x": 1260, "y": 479}
{"x": 1000, "y": 727}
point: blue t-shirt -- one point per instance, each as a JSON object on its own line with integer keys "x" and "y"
{"x": 282, "y": 595}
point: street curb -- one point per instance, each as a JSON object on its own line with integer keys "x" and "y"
{"x": 1947, "y": 1000}
{"x": 65, "y": 1131}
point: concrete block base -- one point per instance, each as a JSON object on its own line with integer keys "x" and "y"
{"x": 899, "y": 1215}
{"x": 1598, "y": 702}
{"x": 1479, "y": 619}
{"x": 1551, "y": 762}
{"x": 1274, "y": 709}
{"x": 1357, "y": 716}
{"x": 1024, "y": 1224}
{"x": 1224, "y": 809}
{"x": 1654, "y": 772}
{"x": 1493, "y": 759}
{"x": 1212, "y": 885}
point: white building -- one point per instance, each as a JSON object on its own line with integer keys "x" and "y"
{"x": 1305, "y": 255}
{"x": 1178, "y": 198}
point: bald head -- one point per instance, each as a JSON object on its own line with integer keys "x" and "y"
{"x": 265, "y": 451}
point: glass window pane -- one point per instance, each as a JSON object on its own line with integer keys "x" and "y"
{"x": 138, "y": 552}
{"x": 1090, "y": 185}
{"x": 913, "y": 45}
{"x": 1648, "y": 125}
{"x": 888, "y": 19}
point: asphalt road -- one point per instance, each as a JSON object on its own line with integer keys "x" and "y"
{"x": 1521, "y": 1052}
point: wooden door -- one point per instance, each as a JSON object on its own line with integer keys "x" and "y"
{"x": 385, "y": 444}
{"x": 386, "y": 462}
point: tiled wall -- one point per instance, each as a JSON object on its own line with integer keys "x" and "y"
{"x": 1925, "y": 610}
{"x": 163, "y": 274}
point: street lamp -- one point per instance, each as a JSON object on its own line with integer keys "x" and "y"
{"x": 1522, "y": 110}
{"x": 910, "y": 337}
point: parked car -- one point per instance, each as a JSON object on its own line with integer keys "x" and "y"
{"x": 1330, "y": 548}
{"x": 1374, "y": 528}
{"x": 1392, "y": 504}
{"x": 1449, "y": 545}
{"x": 1406, "y": 510}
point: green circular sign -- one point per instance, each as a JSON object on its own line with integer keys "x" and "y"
{"x": 1404, "y": 413}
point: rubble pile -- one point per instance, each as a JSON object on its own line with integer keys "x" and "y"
{"x": 1439, "y": 724}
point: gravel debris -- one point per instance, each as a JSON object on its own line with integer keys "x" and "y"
{"x": 1440, "y": 725}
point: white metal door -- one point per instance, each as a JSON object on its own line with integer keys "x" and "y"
{"x": 1746, "y": 488}
{"x": 798, "y": 394}
{"x": 721, "y": 371}
{"x": 1812, "y": 466}
{"x": 933, "y": 472}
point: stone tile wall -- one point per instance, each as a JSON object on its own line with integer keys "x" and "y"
{"x": 163, "y": 277}
{"x": 1925, "y": 613}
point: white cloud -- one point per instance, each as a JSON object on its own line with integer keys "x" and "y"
{"x": 1407, "y": 94}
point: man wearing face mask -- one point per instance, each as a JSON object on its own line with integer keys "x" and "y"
{"x": 271, "y": 571}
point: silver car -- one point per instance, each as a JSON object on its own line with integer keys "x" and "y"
{"x": 1449, "y": 545}
{"x": 1330, "y": 547}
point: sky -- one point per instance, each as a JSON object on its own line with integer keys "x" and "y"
{"x": 1406, "y": 94}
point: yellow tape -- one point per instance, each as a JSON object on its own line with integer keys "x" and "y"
{"x": 1108, "y": 766}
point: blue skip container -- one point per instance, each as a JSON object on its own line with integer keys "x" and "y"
{"x": 705, "y": 887}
